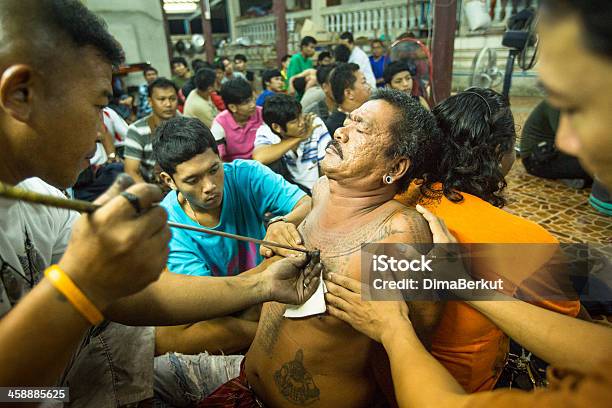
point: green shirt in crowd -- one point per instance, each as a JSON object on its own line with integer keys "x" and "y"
{"x": 297, "y": 64}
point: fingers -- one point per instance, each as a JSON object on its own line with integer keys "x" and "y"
{"x": 148, "y": 194}
{"x": 120, "y": 207}
{"x": 299, "y": 261}
{"x": 311, "y": 286}
{"x": 291, "y": 236}
{"x": 296, "y": 236}
{"x": 338, "y": 302}
{"x": 311, "y": 271}
{"x": 438, "y": 229}
{"x": 158, "y": 248}
{"x": 150, "y": 223}
{"x": 344, "y": 281}
{"x": 265, "y": 251}
{"x": 333, "y": 311}
{"x": 122, "y": 182}
{"x": 338, "y": 292}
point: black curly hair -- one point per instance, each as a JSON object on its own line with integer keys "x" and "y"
{"x": 478, "y": 130}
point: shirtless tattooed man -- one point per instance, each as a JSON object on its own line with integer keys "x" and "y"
{"x": 319, "y": 361}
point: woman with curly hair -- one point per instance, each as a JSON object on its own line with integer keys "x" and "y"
{"x": 479, "y": 132}
{"x": 466, "y": 192}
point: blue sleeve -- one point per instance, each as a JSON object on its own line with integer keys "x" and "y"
{"x": 269, "y": 192}
{"x": 184, "y": 257}
{"x": 260, "y": 99}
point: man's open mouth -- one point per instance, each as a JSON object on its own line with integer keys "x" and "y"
{"x": 335, "y": 147}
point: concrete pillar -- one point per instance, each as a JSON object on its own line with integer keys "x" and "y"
{"x": 444, "y": 26}
{"x": 317, "y": 7}
{"x": 167, "y": 32}
{"x": 233, "y": 13}
{"x": 281, "y": 29}
{"x": 207, "y": 28}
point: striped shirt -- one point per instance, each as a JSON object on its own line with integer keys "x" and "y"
{"x": 302, "y": 163}
{"x": 138, "y": 146}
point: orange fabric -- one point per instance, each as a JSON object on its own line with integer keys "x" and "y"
{"x": 466, "y": 342}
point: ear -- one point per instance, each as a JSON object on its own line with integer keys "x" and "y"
{"x": 277, "y": 129}
{"x": 168, "y": 180}
{"x": 400, "y": 168}
{"x": 232, "y": 108}
{"x": 16, "y": 91}
{"x": 348, "y": 94}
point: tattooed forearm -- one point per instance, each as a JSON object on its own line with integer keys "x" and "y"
{"x": 270, "y": 326}
{"x": 295, "y": 383}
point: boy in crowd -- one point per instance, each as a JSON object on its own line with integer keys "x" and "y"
{"x": 230, "y": 197}
{"x": 139, "y": 162}
{"x": 324, "y": 58}
{"x": 181, "y": 71}
{"x": 302, "y": 60}
{"x": 350, "y": 90}
{"x": 228, "y": 70}
{"x": 359, "y": 57}
{"x": 322, "y": 108}
{"x": 378, "y": 60}
{"x": 144, "y": 107}
{"x": 198, "y": 103}
{"x": 298, "y": 140}
{"x": 234, "y": 128}
{"x": 272, "y": 81}
{"x": 240, "y": 65}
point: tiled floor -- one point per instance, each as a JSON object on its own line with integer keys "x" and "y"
{"x": 561, "y": 210}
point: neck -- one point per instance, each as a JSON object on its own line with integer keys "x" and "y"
{"x": 347, "y": 107}
{"x": 345, "y": 202}
{"x": 205, "y": 218}
{"x": 9, "y": 173}
{"x": 154, "y": 122}
{"x": 304, "y": 55}
{"x": 241, "y": 120}
{"x": 203, "y": 94}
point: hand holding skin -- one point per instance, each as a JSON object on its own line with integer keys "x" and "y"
{"x": 291, "y": 280}
{"x": 114, "y": 252}
{"x": 372, "y": 318}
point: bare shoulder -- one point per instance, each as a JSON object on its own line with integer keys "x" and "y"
{"x": 407, "y": 224}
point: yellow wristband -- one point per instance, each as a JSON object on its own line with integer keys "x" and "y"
{"x": 66, "y": 286}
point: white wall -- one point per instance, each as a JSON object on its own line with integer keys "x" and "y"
{"x": 138, "y": 26}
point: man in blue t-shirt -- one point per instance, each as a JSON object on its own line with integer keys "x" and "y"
{"x": 273, "y": 83}
{"x": 378, "y": 61}
{"x": 230, "y": 197}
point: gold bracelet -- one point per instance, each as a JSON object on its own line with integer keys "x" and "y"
{"x": 66, "y": 286}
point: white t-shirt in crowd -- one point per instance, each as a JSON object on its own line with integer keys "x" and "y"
{"x": 359, "y": 57}
{"x": 303, "y": 163}
{"x": 115, "y": 125}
